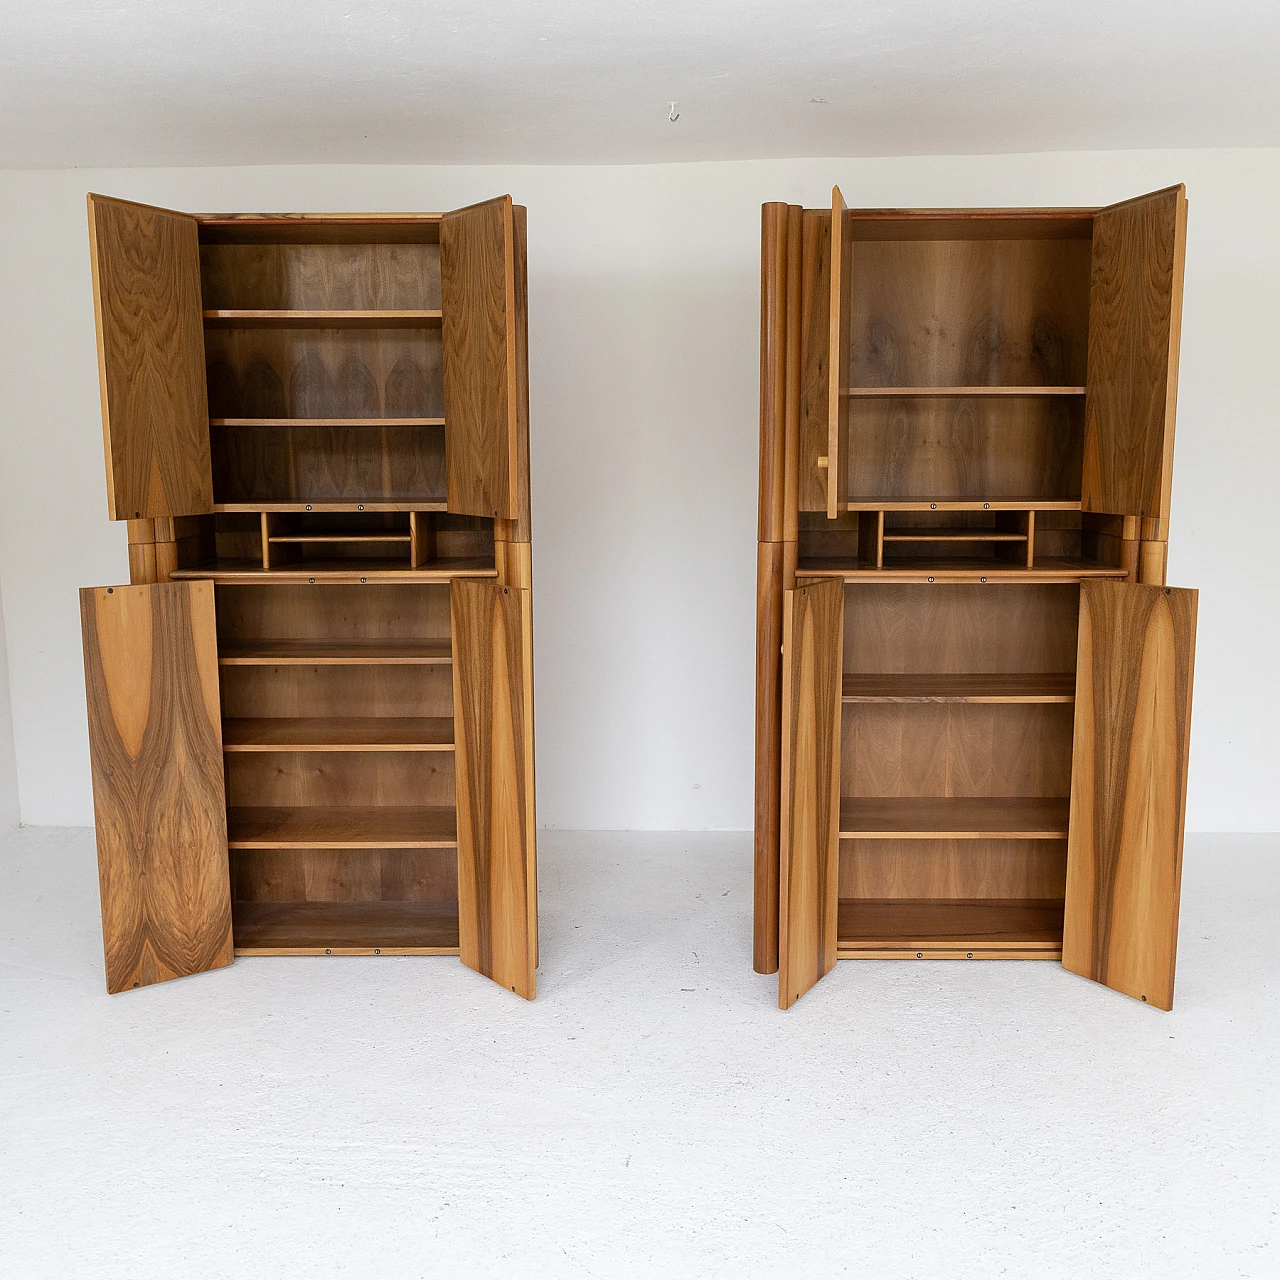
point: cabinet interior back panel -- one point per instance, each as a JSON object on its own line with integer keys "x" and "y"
{"x": 969, "y": 312}
{"x": 321, "y": 277}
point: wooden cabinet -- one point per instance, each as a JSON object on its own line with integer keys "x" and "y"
{"x": 973, "y": 685}
{"x": 311, "y": 711}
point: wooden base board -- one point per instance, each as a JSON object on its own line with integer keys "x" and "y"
{"x": 929, "y": 952}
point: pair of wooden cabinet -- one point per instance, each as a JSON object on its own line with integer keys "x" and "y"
{"x": 973, "y": 685}
{"x": 311, "y": 711}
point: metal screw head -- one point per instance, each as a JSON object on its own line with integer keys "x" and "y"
{"x": 986, "y": 506}
{"x": 328, "y": 951}
{"x": 982, "y": 579}
{"x": 360, "y": 507}
{"x": 377, "y": 951}
{"x": 111, "y": 591}
{"x": 310, "y": 579}
{"x": 308, "y": 506}
{"x": 919, "y": 955}
{"x": 933, "y": 506}
{"x": 930, "y": 579}
{"x": 364, "y": 579}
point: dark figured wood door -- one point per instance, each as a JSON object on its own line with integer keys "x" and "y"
{"x": 486, "y": 392}
{"x": 492, "y": 629}
{"x": 809, "y": 835}
{"x": 1129, "y": 786}
{"x": 1135, "y": 322}
{"x": 155, "y": 744}
{"x": 155, "y": 413}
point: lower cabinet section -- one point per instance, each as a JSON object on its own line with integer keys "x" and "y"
{"x": 282, "y": 773}
{"x": 992, "y": 771}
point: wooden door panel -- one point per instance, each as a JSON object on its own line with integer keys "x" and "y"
{"x": 808, "y": 862}
{"x": 155, "y": 744}
{"x": 493, "y": 735}
{"x": 1135, "y": 323}
{"x": 155, "y": 413}
{"x": 838, "y": 357}
{"x": 1128, "y": 786}
{"x": 482, "y": 274}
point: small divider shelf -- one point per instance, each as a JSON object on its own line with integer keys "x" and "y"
{"x": 318, "y": 653}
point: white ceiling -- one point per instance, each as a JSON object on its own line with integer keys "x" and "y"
{"x": 195, "y": 82}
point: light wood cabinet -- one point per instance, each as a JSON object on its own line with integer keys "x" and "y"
{"x": 311, "y": 710}
{"x": 973, "y": 686}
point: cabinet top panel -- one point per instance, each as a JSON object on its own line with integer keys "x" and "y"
{"x": 319, "y": 228}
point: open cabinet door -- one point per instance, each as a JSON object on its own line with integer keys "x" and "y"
{"x": 1129, "y": 786}
{"x": 155, "y": 745}
{"x": 809, "y": 837}
{"x": 155, "y": 412}
{"x": 838, "y": 357}
{"x": 493, "y": 752}
{"x": 1135, "y": 323}
{"x": 482, "y": 279}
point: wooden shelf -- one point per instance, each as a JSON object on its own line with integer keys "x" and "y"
{"x": 952, "y": 535}
{"x": 340, "y": 537}
{"x": 954, "y": 818}
{"x": 341, "y": 828}
{"x": 443, "y": 570}
{"x": 962, "y": 504}
{"x": 927, "y": 928}
{"x": 956, "y": 569}
{"x": 998, "y": 687}
{"x": 326, "y": 422}
{"x": 879, "y": 393}
{"x": 332, "y": 733}
{"x": 240, "y": 318}
{"x": 345, "y": 928}
{"x": 353, "y": 653}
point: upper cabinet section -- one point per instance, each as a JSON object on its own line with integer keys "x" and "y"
{"x": 1135, "y": 322}
{"x": 486, "y": 394}
{"x": 146, "y": 293}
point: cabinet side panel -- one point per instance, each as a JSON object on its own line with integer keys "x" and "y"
{"x": 1135, "y": 321}
{"x": 493, "y": 736}
{"x": 481, "y": 368}
{"x": 155, "y": 743}
{"x": 146, "y": 292}
{"x": 1129, "y": 785}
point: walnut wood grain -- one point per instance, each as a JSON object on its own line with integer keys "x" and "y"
{"x": 481, "y": 334}
{"x": 155, "y": 745}
{"x": 493, "y": 733}
{"x": 813, "y": 627}
{"x": 146, "y": 295}
{"x": 814, "y": 356}
{"x": 345, "y": 875}
{"x": 1135, "y": 323}
{"x": 362, "y": 653}
{"x": 1129, "y": 786}
{"x": 948, "y": 869}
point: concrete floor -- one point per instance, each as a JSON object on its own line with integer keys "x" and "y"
{"x": 653, "y": 1113}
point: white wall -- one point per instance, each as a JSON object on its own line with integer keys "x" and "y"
{"x": 8, "y": 758}
{"x": 644, "y": 306}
